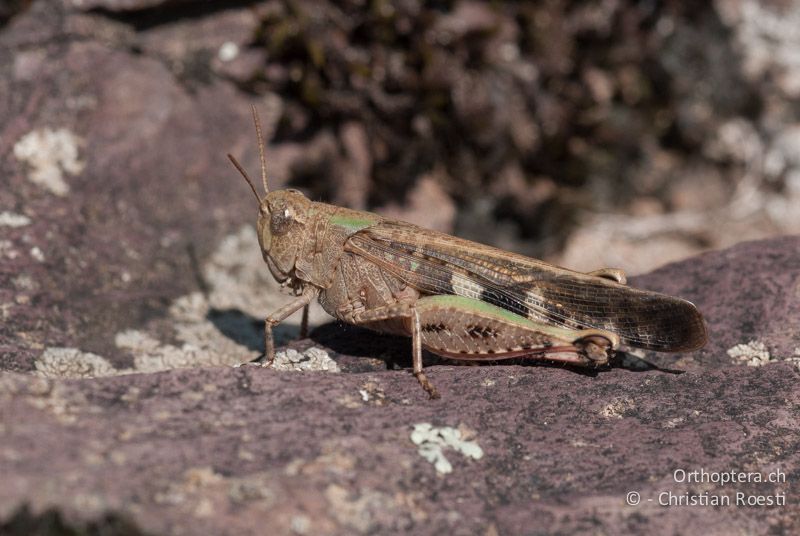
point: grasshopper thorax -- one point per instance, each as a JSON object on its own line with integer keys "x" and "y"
{"x": 282, "y": 227}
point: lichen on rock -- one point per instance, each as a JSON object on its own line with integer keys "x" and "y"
{"x": 50, "y": 153}
{"x": 433, "y": 440}
{"x": 313, "y": 359}
{"x": 752, "y": 354}
{"x": 58, "y": 362}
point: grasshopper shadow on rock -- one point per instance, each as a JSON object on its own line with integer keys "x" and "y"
{"x": 634, "y": 363}
{"x": 244, "y": 329}
{"x": 358, "y": 343}
{"x": 454, "y": 297}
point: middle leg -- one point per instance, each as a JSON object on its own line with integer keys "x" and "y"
{"x": 404, "y": 310}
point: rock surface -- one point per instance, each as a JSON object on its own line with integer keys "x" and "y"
{"x": 243, "y": 450}
{"x": 131, "y": 283}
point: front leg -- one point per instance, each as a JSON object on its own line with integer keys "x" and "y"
{"x": 309, "y": 293}
{"x": 403, "y": 310}
{"x": 304, "y": 323}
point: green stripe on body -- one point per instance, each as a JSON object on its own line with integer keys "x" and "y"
{"x": 463, "y": 303}
{"x": 354, "y": 222}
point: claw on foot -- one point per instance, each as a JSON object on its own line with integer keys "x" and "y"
{"x": 427, "y": 385}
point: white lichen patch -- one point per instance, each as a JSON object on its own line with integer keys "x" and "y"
{"x": 313, "y": 359}
{"x": 674, "y": 422}
{"x": 10, "y": 219}
{"x": 136, "y": 340}
{"x": 233, "y": 272}
{"x": 300, "y": 524}
{"x": 72, "y": 363}
{"x": 170, "y": 357}
{"x": 433, "y": 440}
{"x": 7, "y": 250}
{"x": 37, "y": 254}
{"x": 617, "y": 408}
{"x": 203, "y": 343}
{"x": 25, "y": 282}
{"x": 228, "y": 51}
{"x": 206, "y": 336}
{"x": 203, "y": 346}
{"x": 50, "y": 154}
{"x": 752, "y": 354}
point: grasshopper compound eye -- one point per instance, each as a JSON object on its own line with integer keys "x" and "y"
{"x": 281, "y": 219}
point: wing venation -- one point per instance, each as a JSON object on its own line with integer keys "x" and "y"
{"x": 436, "y": 263}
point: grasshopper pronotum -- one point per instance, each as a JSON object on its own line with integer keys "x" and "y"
{"x": 455, "y": 298}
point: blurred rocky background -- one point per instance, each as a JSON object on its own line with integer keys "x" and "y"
{"x": 590, "y": 134}
{"x": 586, "y": 133}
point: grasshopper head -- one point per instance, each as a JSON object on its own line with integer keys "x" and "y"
{"x": 282, "y": 217}
{"x": 282, "y": 221}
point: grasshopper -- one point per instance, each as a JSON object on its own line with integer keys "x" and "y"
{"x": 454, "y": 297}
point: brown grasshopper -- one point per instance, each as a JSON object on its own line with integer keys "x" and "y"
{"x": 454, "y": 297}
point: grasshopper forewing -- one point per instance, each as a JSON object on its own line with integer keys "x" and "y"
{"x": 454, "y": 297}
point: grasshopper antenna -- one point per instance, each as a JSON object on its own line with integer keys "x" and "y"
{"x": 260, "y": 148}
{"x": 238, "y": 166}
